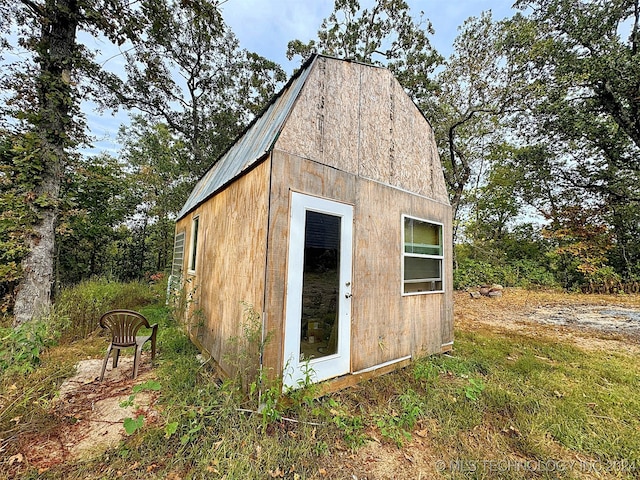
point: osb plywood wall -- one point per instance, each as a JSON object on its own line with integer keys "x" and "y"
{"x": 230, "y": 267}
{"x": 385, "y": 325}
{"x": 290, "y": 173}
{"x": 358, "y": 119}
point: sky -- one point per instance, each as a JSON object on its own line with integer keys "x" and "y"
{"x": 266, "y": 26}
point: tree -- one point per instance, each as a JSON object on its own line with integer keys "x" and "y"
{"x": 495, "y": 207}
{"x": 43, "y": 97}
{"x": 49, "y": 30}
{"x": 15, "y": 218}
{"x": 585, "y": 61}
{"x": 159, "y": 165}
{"x": 96, "y": 200}
{"x": 480, "y": 90}
{"x": 386, "y": 34}
{"x": 188, "y": 71}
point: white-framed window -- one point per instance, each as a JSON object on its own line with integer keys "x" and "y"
{"x": 422, "y": 256}
{"x": 193, "y": 246}
{"x": 178, "y": 254}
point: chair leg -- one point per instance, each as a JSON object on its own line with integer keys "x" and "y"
{"x": 104, "y": 363}
{"x": 136, "y": 360}
{"x": 116, "y": 355}
{"x": 153, "y": 348}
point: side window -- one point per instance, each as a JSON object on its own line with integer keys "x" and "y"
{"x": 178, "y": 254}
{"x": 422, "y": 256}
{"x": 193, "y": 250}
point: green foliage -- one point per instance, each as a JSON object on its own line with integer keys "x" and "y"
{"x": 474, "y": 389}
{"x": 249, "y": 349}
{"x": 149, "y": 385}
{"x": 385, "y": 34}
{"x": 558, "y": 139}
{"x": 43, "y": 87}
{"x": 96, "y": 199}
{"x": 520, "y": 273}
{"x": 43, "y": 109}
{"x": 16, "y": 217}
{"x": 74, "y": 316}
{"x": 398, "y": 425}
{"x": 478, "y": 92}
{"x": 306, "y": 383}
{"x": 187, "y": 69}
{"x": 350, "y": 425}
{"x": 22, "y": 347}
{"x": 518, "y": 256}
{"x": 133, "y": 424}
{"x": 270, "y": 407}
{"x": 581, "y": 58}
{"x": 170, "y": 428}
{"x": 85, "y": 303}
{"x": 391, "y": 427}
{"x": 159, "y": 181}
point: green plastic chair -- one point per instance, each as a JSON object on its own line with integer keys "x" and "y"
{"x": 123, "y": 326}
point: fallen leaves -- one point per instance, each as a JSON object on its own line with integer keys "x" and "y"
{"x": 280, "y": 473}
{"x": 277, "y": 473}
{"x": 511, "y": 431}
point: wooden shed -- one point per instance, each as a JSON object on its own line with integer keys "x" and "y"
{"x": 330, "y": 216}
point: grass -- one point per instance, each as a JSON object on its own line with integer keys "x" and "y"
{"x": 500, "y": 406}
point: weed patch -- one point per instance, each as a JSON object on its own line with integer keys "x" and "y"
{"x": 502, "y": 404}
{"x": 21, "y": 347}
{"x": 83, "y": 304}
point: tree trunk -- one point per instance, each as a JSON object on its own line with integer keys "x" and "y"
{"x": 34, "y": 292}
{"x": 53, "y": 127}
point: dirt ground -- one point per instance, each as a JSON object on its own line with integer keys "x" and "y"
{"x": 591, "y": 322}
{"x": 90, "y": 413}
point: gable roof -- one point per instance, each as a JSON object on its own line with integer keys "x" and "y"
{"x": 253, "y": 145}
{"x": 396, "y": 149}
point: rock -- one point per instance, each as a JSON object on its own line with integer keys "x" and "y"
{"x": 475, "y": 294}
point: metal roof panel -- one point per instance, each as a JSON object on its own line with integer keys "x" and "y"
{"x": 256, "y": 141}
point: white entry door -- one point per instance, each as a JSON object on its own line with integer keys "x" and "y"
{"x": 318, "y": 316}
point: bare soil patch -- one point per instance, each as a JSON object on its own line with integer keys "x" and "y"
{"x": 89, "y": 414}
{"x": 592, "y": 322}
{"x": 384, "y": 461}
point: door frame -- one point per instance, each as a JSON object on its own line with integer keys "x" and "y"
{"x": 295, "y": 372}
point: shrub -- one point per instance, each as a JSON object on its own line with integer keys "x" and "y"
{"x": 84, "y": 303}
{"x": 520, "y": 273}
{"x": 21, "y": 347}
